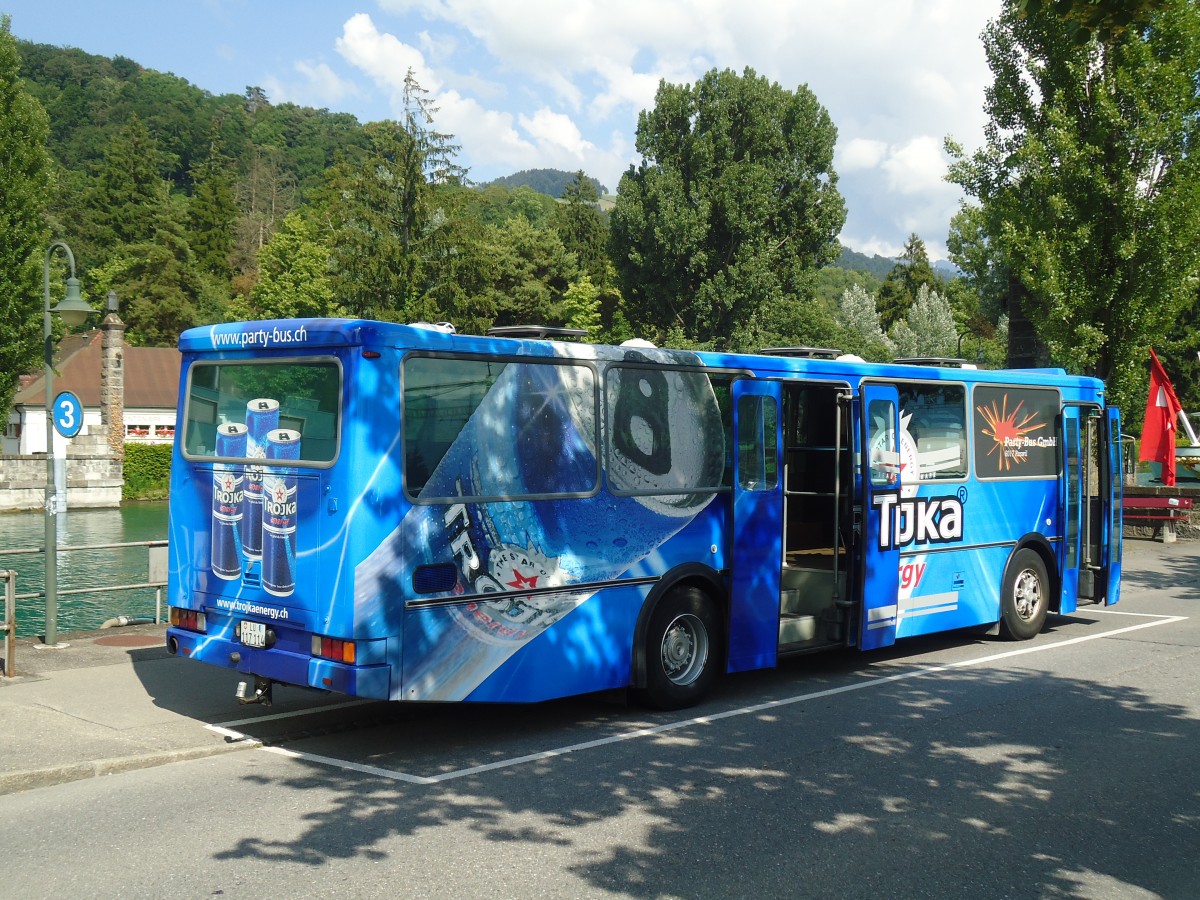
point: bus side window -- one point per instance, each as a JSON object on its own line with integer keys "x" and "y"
{"x": 758, "y": 451}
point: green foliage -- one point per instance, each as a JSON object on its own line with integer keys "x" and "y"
{"x": 530, "y": 271}
{"x": 1085, "y": 20}
{"x": 1088, "y": 184}
{"x": 581, "y": 306}
{"x": 734, "y": 204}
{"x": 129, "y": 200}
{"x": 553, "y": 182}
{"x": 24, "y": 191}
{"x": 583, "y": 229}
{"x": 159, "y": 286}
{"x": 147, "y": 472}
{"x": 875, "y": 265}
{"x": 212, "y": 210}
{"x": 294, "y": 277}
{"x": 927, "y": 328}
{"x": 861, "y": 332}
{"x": 375, "y": 207}
{"x": 831, "y": 282}
{"x": 904, "y": 282}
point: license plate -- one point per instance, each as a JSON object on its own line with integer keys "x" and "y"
{"x": 254, "y": 634}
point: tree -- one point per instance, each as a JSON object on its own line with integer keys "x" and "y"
{"x": 734, "y": 203}
{"x": 212, "y": 210}
{"x": 129, "y": 199}
{"x": 582, "y": 227}
{"x": 160, "y": 287}
{"x": 928, "y": 329}
{"x": 388, "y": 225}
{"x": 1088, "y": 183}
{"x": 294, "y": 275}
{"x": 862, "y": 334}
{"x": 902, "y": 284}
{"x": 530, "y": 271}
{"x": 581, "y": 306}
{"x": 25, "y": 175}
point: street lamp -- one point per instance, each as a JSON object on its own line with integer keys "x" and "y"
{"x": 74, "y": 311}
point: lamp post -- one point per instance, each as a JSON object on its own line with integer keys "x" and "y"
{"x": 74, "y": 311}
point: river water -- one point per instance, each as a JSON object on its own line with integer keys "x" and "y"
{"x": 83, "y": 568}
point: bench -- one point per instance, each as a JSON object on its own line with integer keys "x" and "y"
{"x": 1166, "y": 510}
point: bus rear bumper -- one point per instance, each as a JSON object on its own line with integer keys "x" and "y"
{"x": 282, "y": 666}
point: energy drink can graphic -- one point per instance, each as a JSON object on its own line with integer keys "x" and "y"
{"x": 534, "y": 433}
{"x": 279, "y": 513}
{"x": 227, "y": 502}
{"x": 262, "y": 417}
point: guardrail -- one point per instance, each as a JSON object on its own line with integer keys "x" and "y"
{"x": 156, "y": 577}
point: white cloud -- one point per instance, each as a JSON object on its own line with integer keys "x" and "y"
{"x": 566, "y": 82}
{"x": 556, "y": 133}
{"x": 860, "y": 153}
{"x": 318, "y": 85}
{"x": 918, "y": 166}
{"x": 384, "y": 57}
{"x": 474, "y": 126}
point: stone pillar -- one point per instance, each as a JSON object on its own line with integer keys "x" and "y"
{"x": 112, "y": 382}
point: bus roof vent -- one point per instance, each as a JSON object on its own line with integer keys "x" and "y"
{"x": 535, "y": 331}
{"x": 802, "y": 352}
{"x": 938, "y": 362}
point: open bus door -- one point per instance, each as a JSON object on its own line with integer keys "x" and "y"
{"x": 1091, "y": 507}
{"x": 1072, "y": 499}
{"x": 1115, "y": 496}
{"x": 881, "y": 496}
{"x": 756, "y": 556}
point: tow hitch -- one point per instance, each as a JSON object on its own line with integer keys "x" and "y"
{"x": 262, "y": 692}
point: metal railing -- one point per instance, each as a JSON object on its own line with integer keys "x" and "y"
{"x": 156, "y": 577}
{"x": 10, "y": 622}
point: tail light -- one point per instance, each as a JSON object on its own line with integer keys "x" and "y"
{"x": 191, "y": 619}
{"x": 333, "y": 648}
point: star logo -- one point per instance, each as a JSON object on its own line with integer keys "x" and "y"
{"x": 522, "y": 581}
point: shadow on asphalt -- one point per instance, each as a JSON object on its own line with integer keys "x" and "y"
{"x": 814, "y": 795}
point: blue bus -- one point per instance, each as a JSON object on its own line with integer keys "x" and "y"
{"x": 401, "y": 512}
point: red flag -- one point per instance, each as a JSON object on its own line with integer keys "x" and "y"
{"x": 1158, "y": 431}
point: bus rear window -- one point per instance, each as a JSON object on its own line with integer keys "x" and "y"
{"x": 233, "y": 408}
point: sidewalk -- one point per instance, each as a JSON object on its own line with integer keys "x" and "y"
{"x": 111, "y": 701}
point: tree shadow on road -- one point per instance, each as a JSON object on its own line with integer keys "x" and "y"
{"x": 993, "y": 781}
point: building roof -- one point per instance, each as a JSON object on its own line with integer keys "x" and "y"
{"x": 151, "y": 374}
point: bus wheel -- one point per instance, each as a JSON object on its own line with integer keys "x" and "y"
{"x": 1025, "y": 597}
{"x": 683, "y": 643}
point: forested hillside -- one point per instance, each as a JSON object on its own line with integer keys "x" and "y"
{"x": 195, "y": 207}
{"x": 554, "y": 182}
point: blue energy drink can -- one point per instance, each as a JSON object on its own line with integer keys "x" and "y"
{"x": 262, "y": 417}
{"x": 279, "y": 513}
{"x": 227, "y": 502}
{"x": 534, "y": 433}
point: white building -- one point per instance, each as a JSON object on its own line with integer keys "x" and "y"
{"x": 151, "y": 385}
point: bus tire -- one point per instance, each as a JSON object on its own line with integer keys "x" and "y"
{"x": 683, "y": 650}
{"x": 1025, "y": 596}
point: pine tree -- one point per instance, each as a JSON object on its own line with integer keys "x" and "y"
{"x": 582, "y": 227}
{"x": 212, "y": 209}
{"x": 129, "y": 200}
{"x": 904, "y": 281}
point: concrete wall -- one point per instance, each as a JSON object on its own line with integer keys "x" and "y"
{"x": 94, "y": 478}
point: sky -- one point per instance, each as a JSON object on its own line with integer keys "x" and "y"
{"x": 524, "y": 84}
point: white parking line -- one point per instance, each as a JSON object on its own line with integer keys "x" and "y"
{"x": 715, "y": 717}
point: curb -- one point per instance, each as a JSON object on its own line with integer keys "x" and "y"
{"x": 14, "y": 782}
